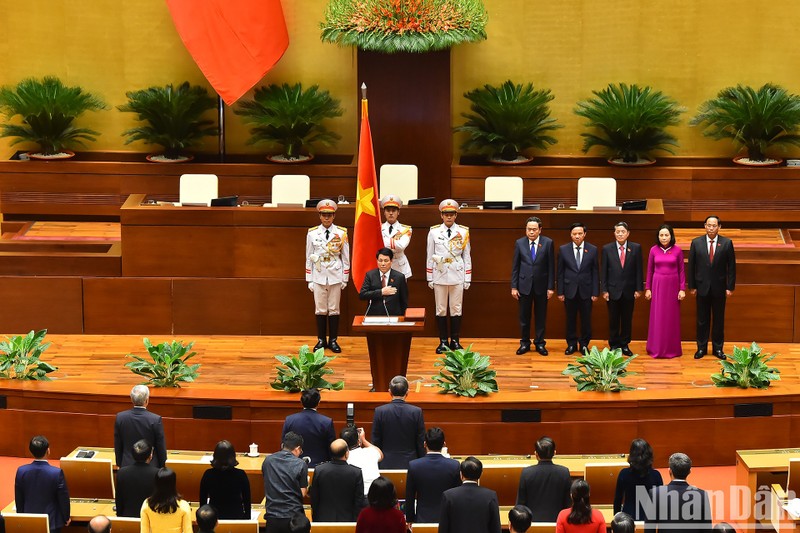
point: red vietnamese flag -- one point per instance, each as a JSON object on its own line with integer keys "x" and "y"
{"x": 234, "y": 42}
{"x": 367, "y": 238}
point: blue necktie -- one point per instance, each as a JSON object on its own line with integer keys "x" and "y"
{"x": 533, "y": 251}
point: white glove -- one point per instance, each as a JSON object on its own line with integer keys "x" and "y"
{"x": 344, "y": 284}
{"x": 311, "y": 286}
{"x": 466, "y": 286}
{"x": 430, "y": 284}
{"x": 313, "y": 258}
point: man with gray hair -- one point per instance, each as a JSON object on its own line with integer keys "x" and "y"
{"x": 677, "y": 507}
{"x": 398, "y": 428}
{"x": 135, "y": 424}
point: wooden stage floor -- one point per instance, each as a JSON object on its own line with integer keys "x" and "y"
{"x": 247, "y": 362}
{"x": 675, "y": 407}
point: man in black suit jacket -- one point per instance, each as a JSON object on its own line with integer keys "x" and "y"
{"x": 40, "y": 487}
{"x": 544, "y": 487}
{"x": 137, "y": 424}
{"x": 135, "y": 482}
{"x": 678, "y": 507}
{"x": 337, "y": 489}
{"x": 577, "y": 286}
{"x": 470, "y": 508}
{"x": 385, "y": 288}
{"x": 427, "y": 479}
{"x": 533, "y": 282}
{"x": 621, "y": 283}
{"x": 712, "y": 277}
{"x": 316, "y": 429}
{"x": 398, "y": 428}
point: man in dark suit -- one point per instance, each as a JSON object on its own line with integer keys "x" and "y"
{"x": 533, "y": 283}
{"x": 678, "y": 507}
{"x": 470, "y": 508}
{"x": 41, "y": 488}
{"x": 427, "y": 479}
{"x": 135, "y": 482}
{"x": 385, "y": 288}
{"x": 544, "y": 487}
{"x": 337, "y": 489}
{"x": 621, "y": 284}
{"x": 98, "y": 524}
{"x": 316, "y": 429}
{"x": 398, "y": 428}
{"x": 577, "y": 286}
{"x": 137, "y": 424}
{"x": 712, "y": 277}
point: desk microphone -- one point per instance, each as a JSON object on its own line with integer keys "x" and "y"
{"x": 367, "y": 311}
{"x": 386, "y": 309}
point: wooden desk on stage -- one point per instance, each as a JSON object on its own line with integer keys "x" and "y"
{"x": 759, "y": 470}
{"x": 390, "y": 344}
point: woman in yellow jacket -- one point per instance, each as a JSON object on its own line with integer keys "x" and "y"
{"x": 164, "y": 511}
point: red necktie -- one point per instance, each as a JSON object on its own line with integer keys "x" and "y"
{"x": 711, "y": 252}
{"x": 383, "y": 280}
{"x": 622, "y": 256}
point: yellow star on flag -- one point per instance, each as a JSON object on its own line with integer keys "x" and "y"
{"x": 364, "y": 201}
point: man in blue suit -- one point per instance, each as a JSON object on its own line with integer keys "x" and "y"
{"x": 532, "y": 283}
{"x": 398, "y": 428}
{"x": 316, "y": 429}
{"x": 41, "y": 488}
{"x": 470, "y": 508}
{"x": 427, "y": 479}
{"x": 577, "y": 286}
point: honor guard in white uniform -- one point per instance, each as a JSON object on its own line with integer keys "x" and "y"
{"x": 396, "y": 236}
{"x": 449, "y": 272}
{"x": 327, "y": 272}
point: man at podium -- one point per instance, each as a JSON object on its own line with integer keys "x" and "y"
{"x": 385, "y": 288}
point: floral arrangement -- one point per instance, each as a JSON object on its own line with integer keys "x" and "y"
{"x": 404, "y": 25}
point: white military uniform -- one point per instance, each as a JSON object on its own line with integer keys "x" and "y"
{"x": 449, "y": 266}
{"x": 397, "y": 241}
{"x": 327, "y": 266}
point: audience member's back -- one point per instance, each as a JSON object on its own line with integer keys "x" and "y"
{"x": 398, "y": 428}
{"x": 544, "y": 487}
{"x": 427, "y": 479}
{"x": 40, "y": 487}
{"x": 315, "y": 428}
{"x": 135, "y": 482}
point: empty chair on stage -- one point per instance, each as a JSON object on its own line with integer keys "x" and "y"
{"x": 596, "y": 192}
{"x": 503, "y": 189}
{"x": 198, "y": 188}
{"x": 401, "y": 180}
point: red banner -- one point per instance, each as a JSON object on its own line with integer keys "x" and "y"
{"x": 367, "y": 239}
{"x": 234, "y": 42}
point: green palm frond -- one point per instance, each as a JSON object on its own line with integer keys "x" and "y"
{"x": 174, "y": 116}
{"x": 307, "y": 370}
{"x": 414, "y": 26}
{"x": 628, "y": 122}
{"x": 600, "y": 370}
{"x": 507, "y": 120}
{"x": 746, "y": 368}
{"x": 167, "y": 364}
{"x": 289, "y": 117}
{"x": 755, "y": 119}
{"x": 465, "y": 373}
{"x": 47, "y": 109}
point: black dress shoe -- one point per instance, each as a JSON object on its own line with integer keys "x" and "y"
{"x": 320, "y": 344}
{"x": 455, "y": 345}
{"x": 719, "y": 354}
{"x": 334, "y": 346}
{"x": 581, "y": 349}
{"x": 541, "y": 349}
{"x": 443, "y": 347}
{"x": 570, "y": 350}
{"x": 523, "y": 348}
{"x": 627, "y": 351}
{"x": 699, "y": 354}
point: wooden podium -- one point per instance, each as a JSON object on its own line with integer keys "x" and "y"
{"x": 390, "y": 344}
